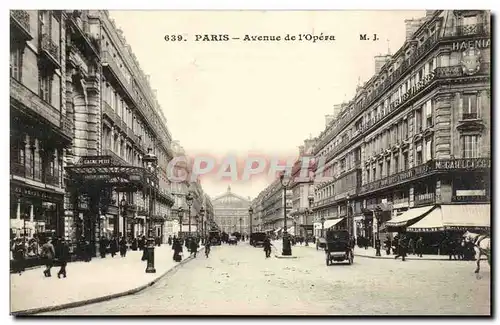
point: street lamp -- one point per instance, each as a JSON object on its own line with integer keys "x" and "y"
{"x": 323, "y": 226}
{"x": 202, "y": 214}
{"x": 287, "y": 248}
{"x": 250, "y": 213}
{"x": 180, "y": 212}
{"x": 349, "y": 227}
{"x": 241, "y": 233}
{"x": 151, "y": 162}
{"x": 189, "y": 202}
{"x": 309, "y": 210}
{"x": 123, "y": 212}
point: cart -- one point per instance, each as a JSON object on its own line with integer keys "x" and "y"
{"x": 338, "y": 247}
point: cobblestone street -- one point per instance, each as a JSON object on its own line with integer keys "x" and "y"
{"x": 239, "y": 280}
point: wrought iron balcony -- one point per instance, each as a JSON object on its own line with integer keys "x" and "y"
{"x": 472, "y": 29}
{"x": 17, "y": 169}
{"x": 31, "y": 102}
{"x": 50, "y": 49}
{"x": 109, "y": 62}
{"x": 469, "y": 116}
{"x": 51, "y": 179}
{"x": 21, "y": 21}
{"x": 449, "y": 72}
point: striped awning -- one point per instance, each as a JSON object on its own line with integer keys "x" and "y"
{"x": 408, "y": 217}
{"x": 332, "y": 222}
{"x": 455, "y": 217}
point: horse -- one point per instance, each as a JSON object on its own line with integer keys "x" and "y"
{"x": 481, "y": 246}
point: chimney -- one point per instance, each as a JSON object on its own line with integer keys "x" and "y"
{"x": 328, "y": 119}
{"x": 412, "y": 25}
{"x": 380, "y": 60}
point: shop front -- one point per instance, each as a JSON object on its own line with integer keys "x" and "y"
{"x": 93, "y": 181}
{"x": 35, "y": 211}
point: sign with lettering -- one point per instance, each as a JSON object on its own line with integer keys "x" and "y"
{"x": 477, "y": 44}
{"x": 34, "y": 193}
{"x": 95, "y": 161}
{"x": 464, "y": 163}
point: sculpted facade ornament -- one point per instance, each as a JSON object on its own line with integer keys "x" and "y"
{"x": 471, "y": 61}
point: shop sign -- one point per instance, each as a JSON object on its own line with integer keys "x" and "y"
{"x": 29, "y": 192}
{"x": 92, "y": 161}
{"x": 464, "y": 163}
{"x": 478, "y": 44}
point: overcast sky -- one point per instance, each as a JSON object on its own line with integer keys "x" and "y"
{"x": 264, "y": 98}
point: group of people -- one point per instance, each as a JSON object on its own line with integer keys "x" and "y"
{"x": 51, "y": 252}
{"x": 192, "y": 244}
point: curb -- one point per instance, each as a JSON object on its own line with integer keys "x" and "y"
{"x": 102, "y": 298}
{"x": 285, "y": 257}
{"x": 407, "y": 258}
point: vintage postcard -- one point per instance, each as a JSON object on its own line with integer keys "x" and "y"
{"x": 250, "y": 162}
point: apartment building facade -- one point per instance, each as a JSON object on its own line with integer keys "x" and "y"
{"x": 416, "y": 135}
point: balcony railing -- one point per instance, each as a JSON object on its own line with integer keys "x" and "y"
{"x": 467, "y": 30}
{"x": 108, "y": 60}
{"x": 17, "y": 169}
{"x": 448, "y": 72}
{"x": 33, "y": 102}
{"x": 51, "y": 179}
{"x": 469, "y": 116}
{"x": 49, "y": 46}
{"x": 22, "y": 19}
{"x": 109, "y": 152}
{"x": 399, "y": 177}
{"x": 424, "y": 199}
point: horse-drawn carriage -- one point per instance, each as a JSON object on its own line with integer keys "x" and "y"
{"x": 338, "y": 247}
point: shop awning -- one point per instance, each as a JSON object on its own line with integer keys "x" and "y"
{"x": 407, "y": 217}
{"x": 291, "y": 231}
{"x": 332, "y": 222}
{"x": 317, "y": 225}
{"x": 455, "y": 217}
{"x": 277, "y": 230}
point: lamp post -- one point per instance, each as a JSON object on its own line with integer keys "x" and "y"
{"x": 287, "y": 247}
{"x": 123, "y": 212}
{"x": 322, "y": 226}
{"x": 180, "y": 212}
{"x": 250, "y": 213}
{"x": 189, "y": 202}
{"x": 309, "y": 210}
{"x": 151, "y": 162}
{"x": 349, "y": 227}
{"x": 202, "y": 214}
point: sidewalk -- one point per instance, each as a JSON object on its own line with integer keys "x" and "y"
{"x": 97, "y": 280}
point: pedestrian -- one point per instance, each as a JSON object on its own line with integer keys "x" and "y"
{"x": 207, "y": 248}
{"x": 113, "y": 246}
{"x": 419, "y": 246}
{"x": 18, "y": 253}
{"x": 135, "y": 244}
{"x": 169, "y": 240}
{"x": 103, "y": 244}
{"x": 411, "y": 246}
{"x": 123, "y": 246}
{"x": 63, "y": 257}
{"x": 177, "y": 248}
{"x": 194, "y": 247}
{"x": 402, "y": 246}
{"x": 388, "y": 245}
{"x": 377, "y": 246}
{"x": 48, "y": 254}
{"x": 267, "y": 247}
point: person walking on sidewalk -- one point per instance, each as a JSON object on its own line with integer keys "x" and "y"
{"x": 169, "y": 240}
{"x": 402, "y": 246}
{"x": 18, "y": 252}
{"x": 113, "y": 246}
{"x": 194, "y": 247}
{"x": 419, "y": 246}
{"x": 411, "y": 246}
{"x": 207, "y": 248}
{"x": 177, "y": 247}
{"x": 48, "y": 253}
{"x": 103, "y": 244}
{"x": 63, "y": 257}
{"x": 388, "y": 245}
{"x": 123, "y": 246}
